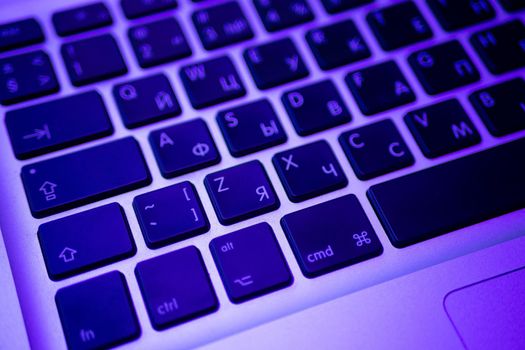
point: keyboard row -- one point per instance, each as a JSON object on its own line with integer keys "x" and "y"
{"x": 176, "y": 286}
{"x": 395, "y": 25}
{"x": 440, "y": 68}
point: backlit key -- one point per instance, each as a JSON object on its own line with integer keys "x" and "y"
{"x": 170, "y": 214}
{"x": 330, "y": 236}
{"x": 176, "y": 287}
{"x": 81, "y": 19}
{"x": 20, "y": 34}
{"x": 250, "y": 262}
{"x": 85, "y": 176}
{"x": 241, "y": 192}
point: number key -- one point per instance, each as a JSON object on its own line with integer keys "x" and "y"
{"x": 281, "y": 14}
{"x": 221, "y": 25}
{"x": 458, "y": 14}
{"x": 25, "y": 77}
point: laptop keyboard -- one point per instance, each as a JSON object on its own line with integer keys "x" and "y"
{"x": 326, "y": 236}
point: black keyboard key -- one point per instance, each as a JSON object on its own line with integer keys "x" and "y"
{"x": 250, "y": 262}
{"x": 241, "y": 192}
{"x": 158, "y": 42}
{"x": 502, "y": 48}
{"x": 140, "y": 8}
{"x": 458, "y": 14}
{"x": 85, "y": 241}
{"x": 176, "y": 287}
{"x": 97, "y": 313}
{"x": 379, "y": 88}
{"x": 250, "y": 128}
{"x": 221, "y": 25}
{"x": 443, "y": 67}
{"x": 399, "y": 25}
{"x": 20, "y": 34}
{"x": 330, "y": 236}
{"x": 275, "y": 63}
{"x": 170, "y": 214}
{"x": 57, "y": 124}
{"x": 74, "y": 179}
{"x": 337, "y": 6}
{"x": 451, "y": 196}
{"x": 183, "y": 148}
{"x": 25, "y": 77}
{"x": 83, "y": 63}
{"x": 512, "y": 5}
{"x": 502, "y": 106}
{"x": 281, "y": 14}
{"x": 211, "y": 82}
{"x": 442, "y": 128}
{"x": 315, "y": 107}
{"x": 81, "y": 19}
{"x": 146, "y": 100}
{"x": 337, "y": 44}
{"x": 309, "y": 171}
{"x": 376, "y": 149}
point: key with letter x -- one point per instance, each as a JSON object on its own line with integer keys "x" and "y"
{"x": 241, "y": 192}
{"x": 309, "y": 171}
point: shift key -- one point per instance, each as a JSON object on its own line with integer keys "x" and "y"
{"x": 75, "y": 179}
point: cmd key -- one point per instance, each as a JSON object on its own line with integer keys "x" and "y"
{"x": 83, "y": 63}
{"x": 241, "y": 192}
{"x": 74, "y": 179}
{"x": 26, "y": 76}
{"x": 330, "y": 236}
{"x": 502, "y": 48}
{"x": 81, "y": 19}
{"x": 502, "y": 106}
{"x": 57, "y": 124}
{"x": 451, "y": 196}
{"x": 20, "y": 34}
{"x": 85, "y": 241}
{"x": 97, "y": 313}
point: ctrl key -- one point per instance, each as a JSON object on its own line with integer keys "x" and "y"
{"x": 97, "y": 313}
{"x": 176, "y": 287}
{"x": 330, "y": 236}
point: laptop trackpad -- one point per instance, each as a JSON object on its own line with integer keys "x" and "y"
{"x": 490, "y": 314}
